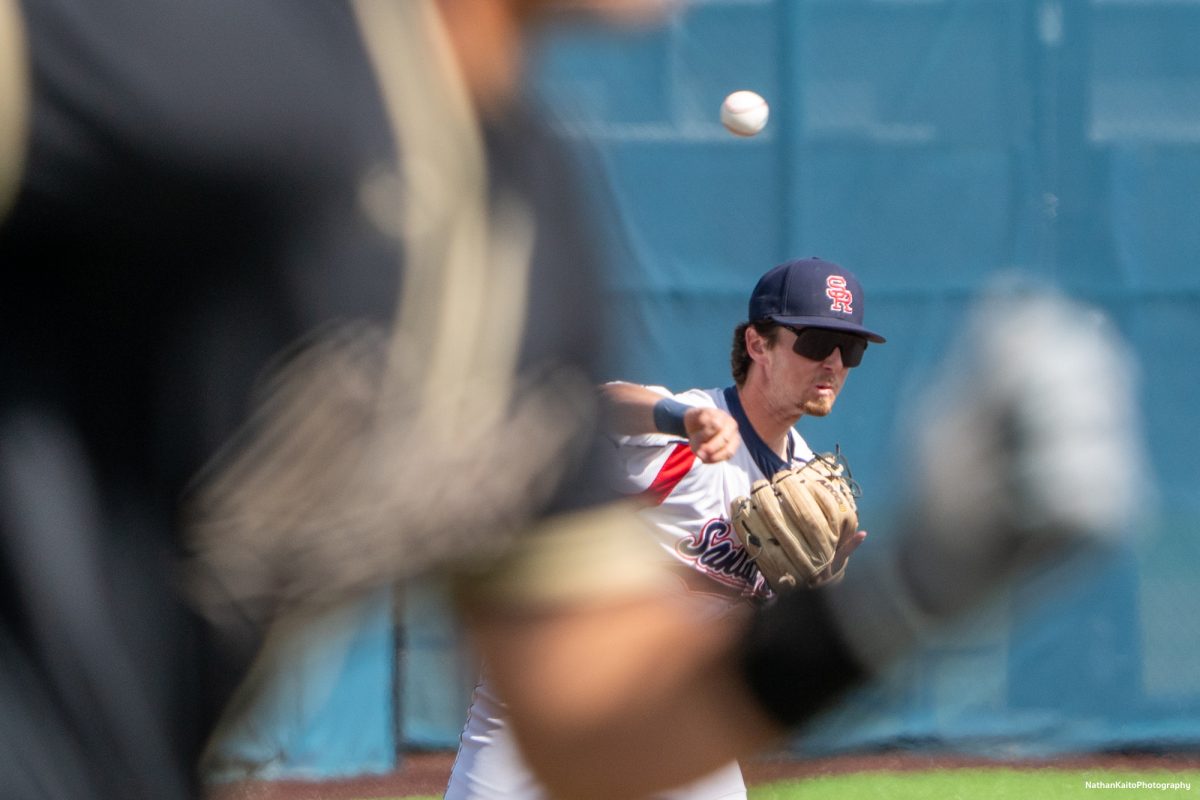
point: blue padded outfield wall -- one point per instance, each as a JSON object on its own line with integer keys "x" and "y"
{"x": 927, "y": 145}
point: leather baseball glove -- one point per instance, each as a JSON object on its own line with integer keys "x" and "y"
{"x": 791, "y": 524}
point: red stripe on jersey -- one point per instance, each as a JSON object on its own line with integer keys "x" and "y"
{"x": 672, "y": 472}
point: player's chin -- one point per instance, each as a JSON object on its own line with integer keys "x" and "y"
{"x": 818, "y": 407}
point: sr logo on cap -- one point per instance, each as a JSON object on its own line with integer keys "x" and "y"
{"x": 842, "y": 297}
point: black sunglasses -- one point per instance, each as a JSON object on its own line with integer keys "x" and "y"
{"x": 818, "y": 343}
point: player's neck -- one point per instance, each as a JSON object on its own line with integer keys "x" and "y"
{"x": 770, "y": 425}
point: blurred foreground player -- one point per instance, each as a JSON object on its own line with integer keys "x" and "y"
{"x": 205, "y": 203}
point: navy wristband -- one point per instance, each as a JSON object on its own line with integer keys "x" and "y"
{"x": 668, "y": 417}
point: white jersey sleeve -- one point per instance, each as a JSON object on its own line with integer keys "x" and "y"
{"x": 694, "y": 397}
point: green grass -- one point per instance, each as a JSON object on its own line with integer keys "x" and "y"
{"x": 989, "y": 784}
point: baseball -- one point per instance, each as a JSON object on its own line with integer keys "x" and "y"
{"x": 744, "y": 113}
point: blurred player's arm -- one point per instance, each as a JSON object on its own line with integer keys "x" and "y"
{"x": 601, "y": 663}
{"x": 622, "y": 698}
{"x": 635, "y": 410}
{"x": 614, "y": 685}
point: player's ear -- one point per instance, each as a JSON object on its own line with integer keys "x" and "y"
{"x": 757, "y": 344}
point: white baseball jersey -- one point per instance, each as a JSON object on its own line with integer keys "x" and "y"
{"x": 687, "y": 501}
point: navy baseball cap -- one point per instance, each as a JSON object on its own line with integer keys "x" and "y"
{"x": 813, "y": 293}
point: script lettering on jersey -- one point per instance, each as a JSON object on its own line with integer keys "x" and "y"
{"x": 716, "y": 549}
{"x": 835, "y": 290}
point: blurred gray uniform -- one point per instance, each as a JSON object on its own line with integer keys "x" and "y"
{"x": 189, "y": 194}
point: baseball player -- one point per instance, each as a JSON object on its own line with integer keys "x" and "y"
{"x": 687, "y": 457}
{"x": 792, "y": 358}
{"x": 681, "y": 453}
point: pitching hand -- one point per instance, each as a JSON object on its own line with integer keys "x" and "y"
{"x": 712, "y": 434}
